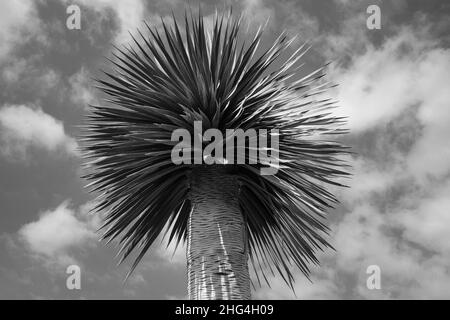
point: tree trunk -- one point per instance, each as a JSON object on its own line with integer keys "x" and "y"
{"x": 217, "y": 246}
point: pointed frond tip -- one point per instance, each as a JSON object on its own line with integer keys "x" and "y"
{"x": 173, "y": 74}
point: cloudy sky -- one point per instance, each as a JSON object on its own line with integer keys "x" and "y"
{"x": 393, "y": 86}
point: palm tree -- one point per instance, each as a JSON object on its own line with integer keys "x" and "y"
{"x": 227, "y": 214}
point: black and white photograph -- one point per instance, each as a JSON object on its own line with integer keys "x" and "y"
{"x": 250, "y": 150}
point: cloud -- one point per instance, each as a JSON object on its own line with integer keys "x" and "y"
{"x": 397, "y": 209}
{"x": 57, "y": 231}
{"x": 18, "y": 23}
{"x": 320, "y": 288}
{"x": 409, "y": 242}
{"x": 394, "y": 89}
{"x": 410, "y": 245}
{"x": 22, "y": 127}
{"x": 383, "y": 81}
{"x": 20, "y": 73}
{"x": 170, "y": 254}
{"x": 395, "y": 215}
{"x": 431, "y": 153}
{"x": 13, "y": 71}
{"x": 130, "y": 14}
{"x": 425, "y": 220}
{"x": 257, "y": 12}
{"x": 286, "y": 15}
{"x": 81, "y": 92}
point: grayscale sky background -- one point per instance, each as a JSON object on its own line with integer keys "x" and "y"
{"x": 393, "y": 85}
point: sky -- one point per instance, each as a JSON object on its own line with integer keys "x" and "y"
{"x": 392, "y": 85}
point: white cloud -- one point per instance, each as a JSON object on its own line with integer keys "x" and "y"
{"x": 22, "y": 127}
{"x": 168, "y": 253}
{"x": 408, "y": 70}
{"x": 130, "y": 14}
{"x": 294, "y": 20}
{"x": 320, "y": 288}
{"x": 257, "y": 13}
{"x": 367, "y": 236}
{"x": 406, "y": 230}
{"x": 18, "y": 23}
{"x": 396, "y": 213}
{"x": 427, "y": 220}
{"x": 13, "y": 71}
{"x": 57, "y": 231}
{"x": 367, "y": 180}
{"x": 29, "y": 73}
{"x": 431, "y": 153}
{"x": 407, "y": 236}
{"x": 81, "y": 92}
{"x": 382, "y": 82}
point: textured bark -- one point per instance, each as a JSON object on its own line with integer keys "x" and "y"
{"x": 217, "y": 246}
